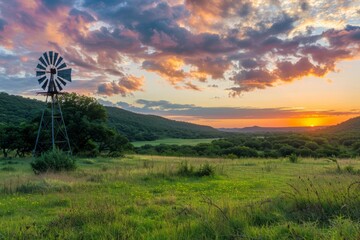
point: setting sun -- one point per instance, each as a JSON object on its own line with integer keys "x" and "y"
{"x": 312, "y": 122}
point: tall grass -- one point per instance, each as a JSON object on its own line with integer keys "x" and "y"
{"x": 166, "y": 198}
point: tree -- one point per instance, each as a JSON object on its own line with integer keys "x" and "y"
{"x": 8, "y": 136}
{"x": 86, "y": 122}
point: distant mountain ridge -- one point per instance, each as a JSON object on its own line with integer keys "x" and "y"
{"x": 135, "y": 126}
{"x": 257, "y": 129}
{"x": 351, "y": 125}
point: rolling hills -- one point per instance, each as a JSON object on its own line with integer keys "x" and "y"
{"x": 17, "y": 109}
{"x": 150, "y": 127}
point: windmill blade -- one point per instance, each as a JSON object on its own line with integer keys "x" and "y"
{"x": 46, "y": 58}
{"x": 59, "y": 61}
{"x": 55, "y": 58}
{"x": 41, "y": 59}
{"x": 40, "y": 73}
{"x": 40, "y": 67}
{"x": 58, "y": 85}
{"x": 51, "y": 57}
{"x": 40, "y": 80}
{"x": 62, "y": 66}
{"x": 61, "y": 80}
{"x": 65, "y": 74}
{"x": 45, "y": 84}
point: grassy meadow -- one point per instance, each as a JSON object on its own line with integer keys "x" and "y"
{"x": 152, "y": 197}
{"x": 177, "y": 141}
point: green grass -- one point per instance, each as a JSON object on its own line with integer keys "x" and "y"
{"x": 145, "y": 197}
{"x": 177, "y": 141}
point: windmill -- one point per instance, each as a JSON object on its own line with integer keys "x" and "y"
{"x": 53, "y": 74}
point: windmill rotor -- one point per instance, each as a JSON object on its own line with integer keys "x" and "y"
{"x": 52, "y": 72}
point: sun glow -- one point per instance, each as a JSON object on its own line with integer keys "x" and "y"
{"x": 311, "y": 122}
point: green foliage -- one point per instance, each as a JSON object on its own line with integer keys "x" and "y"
{"x": 205, "y": 170}
{"x": 293, "y": 158}
{"x": 16, "y": 109}
{"x": 187, "y": 170}
{"x": 53, "y": 161}
{"x": 44, "y": 186}
{"x": 322, "y": 200}
{"x": 272, "y": 145}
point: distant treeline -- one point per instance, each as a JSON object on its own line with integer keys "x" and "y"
{"x": 272, "y": 145}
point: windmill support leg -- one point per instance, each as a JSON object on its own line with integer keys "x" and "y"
{"x": 52, "y": 123}
{"x": 63, "y": 122}
{"x": 39, "y": 130}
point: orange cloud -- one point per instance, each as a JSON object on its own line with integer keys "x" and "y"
{"x": 125, "y": 86}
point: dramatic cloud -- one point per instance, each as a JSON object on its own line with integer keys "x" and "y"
{"x": 124, "y": 86}
{"x": 253, "y": 44}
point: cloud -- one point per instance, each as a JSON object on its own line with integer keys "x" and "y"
{"x": 189, "y": 85}
{"x": 250, "y": 44}
{"x": 168, "y": 109}
{"x": 125, "y": 86}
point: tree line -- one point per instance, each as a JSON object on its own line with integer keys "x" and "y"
{"x": 271, "y": 145}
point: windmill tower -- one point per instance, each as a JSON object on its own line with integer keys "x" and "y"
{"x": 53, "y": 74}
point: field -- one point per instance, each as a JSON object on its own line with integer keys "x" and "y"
{"x": 150, "y": 197}
{"x": 177, "y": 141}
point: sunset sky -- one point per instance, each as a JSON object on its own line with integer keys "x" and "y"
{"x": 224, "y": 63}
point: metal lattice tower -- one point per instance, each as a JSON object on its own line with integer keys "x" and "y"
{"x": 53, "y": 74}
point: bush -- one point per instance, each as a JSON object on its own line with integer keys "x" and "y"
{"x": 205, "y": 170}
{"x": 53, "y": 161}
{"x": 293, "y": 158}
{"x": 231, "y": 156}
{"x": 185, "y": 169}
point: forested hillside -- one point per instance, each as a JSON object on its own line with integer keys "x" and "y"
{"x": 16, "y": 109}
{"x": 149, "y": 127}
{"x": 350, "y": 126}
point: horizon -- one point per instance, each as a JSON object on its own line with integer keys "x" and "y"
{"x": 235, "y": 127}
{"x": 225, "y": 64}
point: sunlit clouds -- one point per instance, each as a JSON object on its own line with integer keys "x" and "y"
{"x": 241, "y": 47}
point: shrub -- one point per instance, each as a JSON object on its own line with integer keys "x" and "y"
{"x": 185, "y": 169}
{"x": 53, "y": 161}
{"x": 205, "y": 170}
{"x": 293, "y": 158}
{"x": 286, "y": 150}
{"x": 231, "y": 156}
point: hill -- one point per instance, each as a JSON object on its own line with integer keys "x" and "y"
{"x": 257, "y": 129}
{"x": 351, "y": 125}
{"x": 17, "y": 109}
{"x": 150, "y": 127}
